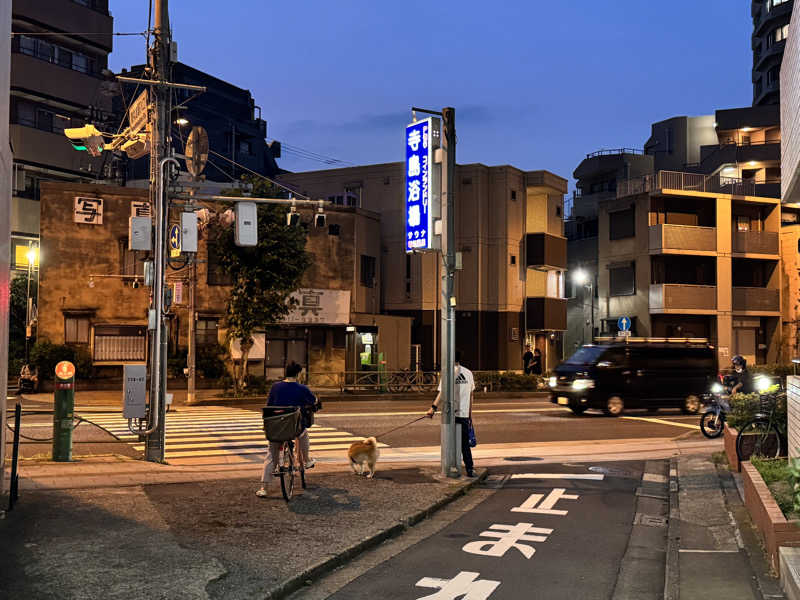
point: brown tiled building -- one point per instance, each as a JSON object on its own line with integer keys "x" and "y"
{"x": 509, "y": 231}
{"x": 92, "y": 291}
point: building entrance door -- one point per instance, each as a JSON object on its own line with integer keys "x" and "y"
{"x": 283, "y": 347}
{"x": 744, "y": 343}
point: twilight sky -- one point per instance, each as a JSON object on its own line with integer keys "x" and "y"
{"x": 535, "y": 83}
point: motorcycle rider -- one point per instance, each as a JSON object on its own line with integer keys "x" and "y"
{"x": 744, "y": 381}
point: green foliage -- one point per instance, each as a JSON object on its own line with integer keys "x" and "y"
{"x": 16, "y": 321}
{"x": 506, "y": 381}
{"x": 209, "y": 361}
{"x": 176, "y": 362}
{"x": 745, "y": 406}
{"x": 45, "y": 356}
{"x": 264, "y": 276}
{"x": 780, "y": 477}
{"x": 773, "y": 369}
{"x": 794, "y": 480}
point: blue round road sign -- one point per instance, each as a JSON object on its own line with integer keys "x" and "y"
{"x": 624, "y": 324}
{"x": 175, "y": 237}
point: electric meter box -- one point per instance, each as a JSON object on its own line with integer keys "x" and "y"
{"x": 246, "y": 232}
{"x": 188, "y": 232}
{"x": 140, "y": 233}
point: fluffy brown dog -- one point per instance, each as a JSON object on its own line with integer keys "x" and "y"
{"x": 364, "y": 454}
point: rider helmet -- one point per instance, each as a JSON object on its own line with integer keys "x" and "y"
{"x": 739, "y": 361}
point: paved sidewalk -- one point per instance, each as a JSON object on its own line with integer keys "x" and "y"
{"x": 712, "y": 550}
{"x": 207, "y": 538}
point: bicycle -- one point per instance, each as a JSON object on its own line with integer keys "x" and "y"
{"x": 284, "y": 424}
{"x": 761, "y": 434}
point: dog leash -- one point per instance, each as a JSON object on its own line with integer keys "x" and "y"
{"x": 401, "y": 426}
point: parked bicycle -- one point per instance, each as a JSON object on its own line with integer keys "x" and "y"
{"x": 761, "y": 436}
{"x": 283, "y": 424}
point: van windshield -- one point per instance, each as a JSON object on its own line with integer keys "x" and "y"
{"x": 586, "y": 356}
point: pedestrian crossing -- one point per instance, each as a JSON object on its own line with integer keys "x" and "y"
{"x": 194, "y": 432}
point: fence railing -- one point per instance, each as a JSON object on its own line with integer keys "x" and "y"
{"x": 398, "y": 382}
{"x": 677, "y": 180}
{"x": 612, "y": 151}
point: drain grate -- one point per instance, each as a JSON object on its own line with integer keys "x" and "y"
{"x": 649, "y": 520}
{"x": 521, "y": 458}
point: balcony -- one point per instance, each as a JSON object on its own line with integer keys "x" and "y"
{"x": 70, "y": 16}
{"x": 688, "y": 182}
{"x": 48, "y": 79}
{"x": 682, "y": 239}
{"x": 51, "y": 149}
{"x": 546, "y": 314}
{"x": 546, "y": 251}
{"x": 756, "y": 299}
{"x": 756, "y": 242}
{"x": 672, "y": 297}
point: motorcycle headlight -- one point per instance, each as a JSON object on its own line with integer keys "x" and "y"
{"x": 582, "y": 384}
{"x": 717, "y": 388}
{"x": 552, "y": 382}
{"x": 762, "y": 384}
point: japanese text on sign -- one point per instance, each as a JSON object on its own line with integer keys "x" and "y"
{"x": 88, "y": 211}
{"x": 420, "y": 141}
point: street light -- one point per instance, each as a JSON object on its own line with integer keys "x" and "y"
{"x": 582, "y": 277}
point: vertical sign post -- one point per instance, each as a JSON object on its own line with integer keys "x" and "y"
{"x": 423, "y": 205}
{"x": 63, "y": 407}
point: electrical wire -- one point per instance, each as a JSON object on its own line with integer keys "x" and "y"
{"x": 61, "y": 33}
{"x": 244, "y": 168}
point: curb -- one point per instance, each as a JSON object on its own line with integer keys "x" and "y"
{"x": 325, "y": 566}
{"x": 671, "y": 571}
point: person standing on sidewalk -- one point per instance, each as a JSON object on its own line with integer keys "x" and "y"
{"x": 527, "y": 358}
{"x": 536, "y": 363}
{"x": 464, "y": 390}
{"x": 289, "y": 393}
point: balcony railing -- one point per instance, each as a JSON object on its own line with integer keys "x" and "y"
{"x": 680, "y": 296}
{"x": 683, "y": 238}
{"x": 548, "y": 314}
{"x": 612, "y": 151}
{"x": 756, "y": 242}
{"x": 756, "y": 299}
{"x": 546, "y": 251}
{"x": 695, "y": 182}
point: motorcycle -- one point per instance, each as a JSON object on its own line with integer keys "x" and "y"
{"x": 712, "y": 421}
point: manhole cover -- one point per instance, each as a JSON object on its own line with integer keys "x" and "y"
{"x": 521, "y": 458}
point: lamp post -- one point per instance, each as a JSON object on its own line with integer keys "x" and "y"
{"x": 583, "y": 277}
{"x": 31, "y": 256}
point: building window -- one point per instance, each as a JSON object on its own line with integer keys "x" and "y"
{"x": 514, "y": 195}
{"x": 513, "y": 259}
{"x": 131, "y": 262}
{"x": 57, "y": 55}
{"x": 206, "y": 331}
{"x": 781, "y": 33}
{"x": 339, "y": 337}
{"x": 334, "y": 229}
{"x": 245, "y": 147}
{"x": 622, "y": 281}
{"x": 773, "y": 3}
{"x": 621, "y": 224}
{"x": 216, "y": 274}
{"x": 33, "y": 115}
{"x": 120, "y": 343}
{"x": 408, "y": 275}
{"x": 558, "y": 210}
{"x": 773, "y": 75}
{"x": 316, "y": 338}
{"x": 19, "y": 254}
{"x": 367, "y": 271}
{"x": 76, "y": 330}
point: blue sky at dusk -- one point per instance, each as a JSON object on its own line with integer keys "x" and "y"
{"x": 536, "y": 84}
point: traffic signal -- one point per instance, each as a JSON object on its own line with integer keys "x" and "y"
{"x": 86, "y": 138}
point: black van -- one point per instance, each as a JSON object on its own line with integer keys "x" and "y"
{"x": 618, "y": 375}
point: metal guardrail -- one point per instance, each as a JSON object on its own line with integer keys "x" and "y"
{"x": 398, "y": 382}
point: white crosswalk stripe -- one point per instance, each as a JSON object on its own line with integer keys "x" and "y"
{"x": 217, "y": 431}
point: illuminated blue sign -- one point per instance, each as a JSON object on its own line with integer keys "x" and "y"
{"x": 422, "y": 180}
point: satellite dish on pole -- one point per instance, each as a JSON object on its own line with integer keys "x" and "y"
{"x": 196, "y": 151}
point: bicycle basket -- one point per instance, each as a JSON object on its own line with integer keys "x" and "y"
{"x": 767, "y": 402}
{"x": 282, "y": 425}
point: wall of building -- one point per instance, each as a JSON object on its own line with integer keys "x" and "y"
{"x": 790, "y": 121}
{"x": 5, "y": 206}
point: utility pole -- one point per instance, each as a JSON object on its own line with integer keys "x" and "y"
{"x": 449, "y": 453}
{"x": 191, "y": 395}
{"x": 159, "y": 123}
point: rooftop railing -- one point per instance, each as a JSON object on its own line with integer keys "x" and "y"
{"x": 611, "y": 151}
{"x": 690, "y": 182}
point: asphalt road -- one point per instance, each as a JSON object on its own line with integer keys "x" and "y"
{"x": 572, "y": 554}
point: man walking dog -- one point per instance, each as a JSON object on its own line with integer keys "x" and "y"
{"x": 464, "y": 389}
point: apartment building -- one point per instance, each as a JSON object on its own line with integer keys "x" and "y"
{"x": 92, "y": 293}
{"x": 509, "y": 231}
{"x": 770, "y": 32}
{"x": 691, "y": 255}
{"x": 59, "y": 52}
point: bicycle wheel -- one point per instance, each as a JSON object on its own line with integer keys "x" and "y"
{"x": 758, "y": 438}
{"x": 712, "y": 424}
{"x": 287, "y": 471}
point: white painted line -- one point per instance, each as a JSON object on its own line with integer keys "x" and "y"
{"x": 736, "y": 532}
{"x": 654, "y": 477}
{"x": 592, "y": 476}
{"x": 663, "y": 422}
{"x": 693, "y": 551}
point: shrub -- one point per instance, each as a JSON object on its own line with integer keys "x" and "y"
{"x": 773, "y": 369}
{"x": 777, "y": 474}
{"x": 176, "y": 363}
{"x": 210, "y": 361}
{"x": 745, "y": 406}
{"x": 45, "y": 356}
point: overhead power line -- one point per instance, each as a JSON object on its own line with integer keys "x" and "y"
{"x": 44, "y": 33}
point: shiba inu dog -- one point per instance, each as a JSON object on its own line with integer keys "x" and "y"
{"x": 364, "y": 454}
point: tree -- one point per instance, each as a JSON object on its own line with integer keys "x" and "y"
{"x": 16, "y": 321}
{"x": 262, "y": 277}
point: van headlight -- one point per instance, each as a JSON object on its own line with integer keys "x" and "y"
{"x": 552, "y": 382}
{"x": 582, "y": 384}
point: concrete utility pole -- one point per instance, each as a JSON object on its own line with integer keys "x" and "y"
{"x": 159, "y": 126}
{"x": 450, "y": 443}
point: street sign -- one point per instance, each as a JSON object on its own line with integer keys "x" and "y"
{"x": 65, "y": 370}
{"x": 137, "y": 114}
{"x": 624, "y": 333}
{"x": 624, "y": 324}
{"x": 175, "y": 241}
{"x": 422, "y": 138}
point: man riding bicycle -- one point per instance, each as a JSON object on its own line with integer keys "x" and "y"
{"x": 289, "y": 393}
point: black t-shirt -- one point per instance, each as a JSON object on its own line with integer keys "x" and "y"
{"x": 527, "y": 358}
{"x": 746, "y": 379}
